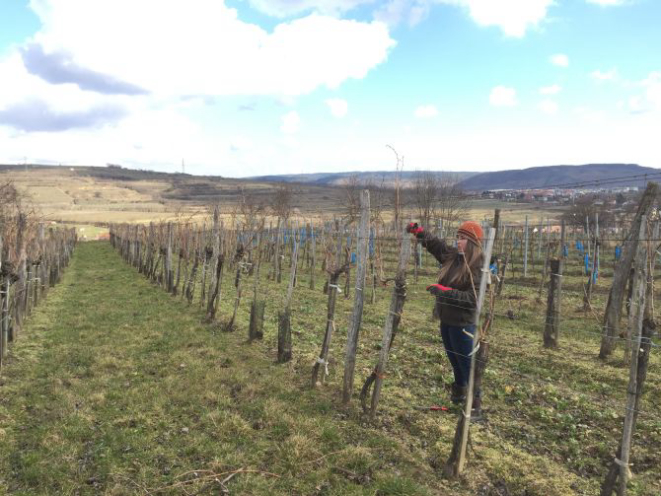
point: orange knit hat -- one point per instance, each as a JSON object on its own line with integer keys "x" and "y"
{"x": 472, "y": 231}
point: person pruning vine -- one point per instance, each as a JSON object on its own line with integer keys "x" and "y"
{"x": 456, "y": 292}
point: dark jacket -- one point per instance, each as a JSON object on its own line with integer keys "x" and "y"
{"x": 456, "y": 307}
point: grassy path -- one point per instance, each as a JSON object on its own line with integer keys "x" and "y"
{"x": 116, "y": 388}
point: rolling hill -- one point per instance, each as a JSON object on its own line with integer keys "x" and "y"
{"x": 588, "y": 176}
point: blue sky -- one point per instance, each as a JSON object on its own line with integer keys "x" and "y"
{"x": 250, "y": 87}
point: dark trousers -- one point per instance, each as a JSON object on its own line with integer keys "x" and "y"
{"x": 458, "y": 342}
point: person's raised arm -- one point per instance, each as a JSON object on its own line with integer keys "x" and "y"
{"x": 434, "y": 245}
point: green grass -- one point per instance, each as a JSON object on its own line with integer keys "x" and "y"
{"x": 116, "y": 387}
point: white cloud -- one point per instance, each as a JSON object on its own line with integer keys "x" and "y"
{"x": 338, "y": 107}
{"x": 514, "y": 17}
{"x": 560, "y": 59}
{"x": 290, "y": 122}
{"x": 123, "y": 97}
{"x": 214, "y": 52}
{"x": 502, "y": 96}
{"x": 426, "y": 111}
{"x": 608, "y": 3}
{"x": 548, "y": 107}
{"x": 604, "y": 76}
{"x": 550, "y": 90}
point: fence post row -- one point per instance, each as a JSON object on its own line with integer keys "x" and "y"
{"x": 24, "y": 266}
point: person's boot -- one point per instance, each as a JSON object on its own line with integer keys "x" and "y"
{"x": 458, "y": 393}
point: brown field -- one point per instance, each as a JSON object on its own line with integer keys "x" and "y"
{"x": 85, "y": 196}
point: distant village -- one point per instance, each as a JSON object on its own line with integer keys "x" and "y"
{"x": 616, "y": 197}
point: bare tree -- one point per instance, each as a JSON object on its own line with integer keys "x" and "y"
{"x": 379, "y": 194}
{"x": 426, "y": 190}
{"x": 351, "y": 198}
{"x": 249, "y": 207}
{"x": 585, "y": 208}
{"x": 283, "y": 201}
{"x": 452, "y": 203}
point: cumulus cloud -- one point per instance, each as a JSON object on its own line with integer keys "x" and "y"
{"x": 560, "y": 59}
{"x": 36, "y": 115}
{"x": 513, "y": 17}
{"x": 554, "y": 89}
{"x": 548, "y": 107}
{"x": 426, "y": 111}
{"x": 338, "y": 107}
{"x": 59, "y": 68}
{"x": 604, "y": 76}
{"x": 502, "y": 96}
{"x": 290, "y": 122}
{"x": 214, "y": 52}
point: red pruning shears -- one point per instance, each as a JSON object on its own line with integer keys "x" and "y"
{"x": 433, "y": 408}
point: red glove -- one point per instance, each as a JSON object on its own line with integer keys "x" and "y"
{"x": 436, "y": 289}
{"x": 414, "y": 229}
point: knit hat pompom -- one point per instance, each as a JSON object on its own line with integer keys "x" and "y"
{"x": 472, "y": 231}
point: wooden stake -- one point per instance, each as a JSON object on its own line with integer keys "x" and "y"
{"x": 553, "y": 306}
{"x": 361, "y": 255}
{"x": 457, "y": 460}
{"x": 392, "y": 322}
{"x": 616, "y": 295}
{"x": 636, "y": 324}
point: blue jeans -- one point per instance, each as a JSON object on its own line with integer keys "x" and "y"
{"x": 458, "y": 342}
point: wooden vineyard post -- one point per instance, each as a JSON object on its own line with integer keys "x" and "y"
{"x": 217, "y": 260}
{"x": 648, "y": 330}
{"x": 563, "y": 241}
{"x": 347, "y": 283}
{"x": 240, "y": 265}
{"x": 592, "y": 273}
{"x": 215, "y": 291}
{"x": 553, "y": 306}
{"x": 256, "y": 327}
{"x": 525, "y": 249}
{"x": 616, "y": 295}
{"x": 389, "y": 328}
{"x": 361, "y": 262}
{"x": 322, "y": 361}
{"x": 44, "y": 259}
{"x": 196, "y": 252}
{"x": 4, "y": 297}
{"x": 169, "y": 278}
{"x": 496, "y": 225}
{"x": 313, "y": 247}
{"x": 284, "y": 317}
{"x": 373, "y": 264}
{"x": 457, "y": 460}
{"x": 278, "y": 263}
{"x": 21, "y": 283}
{"x": 633, "y": 389}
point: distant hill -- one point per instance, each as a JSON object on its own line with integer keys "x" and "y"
{"x": 339, "y": 178}
{"x": 588, "y": 176}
